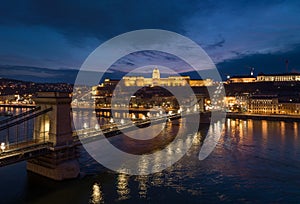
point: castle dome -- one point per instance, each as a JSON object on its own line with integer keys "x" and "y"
{"x": 156, "y": 73}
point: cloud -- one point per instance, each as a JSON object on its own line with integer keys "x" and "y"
{"x": 266, "y": 63}
{"x": 53, "y": 33}
{"x": 154, "y": 58}
{"x": 101, "y": 19}
{"x": 215, "y": 45}
{"x": 41, "y": 46}
{"x": 247, "y": 27}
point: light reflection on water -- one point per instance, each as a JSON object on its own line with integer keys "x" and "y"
{"x": 254, "y": 161}
{"x": 122, "y": 187}
{"x": 97, "y": 195}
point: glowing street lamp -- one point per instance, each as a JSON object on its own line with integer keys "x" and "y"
{"x": 2, "y": 146}
{"x": 122, "y": 121}
{"x": 85, "y": 126}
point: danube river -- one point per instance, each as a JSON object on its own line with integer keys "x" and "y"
{"x": 254, "y": 161}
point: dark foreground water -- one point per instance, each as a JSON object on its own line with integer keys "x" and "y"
{"x": 254, "y": 161}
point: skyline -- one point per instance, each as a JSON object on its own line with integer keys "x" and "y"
{"x": 46, "y": 75}
{"x": 236, "y": 35}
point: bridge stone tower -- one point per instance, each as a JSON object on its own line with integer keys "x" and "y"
{"x": 55, "y": 128}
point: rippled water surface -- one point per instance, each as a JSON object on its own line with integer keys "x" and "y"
{"x": 254, "y": 161}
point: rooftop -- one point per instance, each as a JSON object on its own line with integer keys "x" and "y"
{"x": 242, "y": 76}
{"x": 280, "y": 74}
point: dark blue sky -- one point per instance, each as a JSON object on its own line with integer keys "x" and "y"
{"x": 236, "y": 34}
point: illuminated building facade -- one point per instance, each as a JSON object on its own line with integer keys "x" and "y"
{"x": 241, "y": 79}
{"x": 156, "y": 80}
{"x": 289, "y": 107}
{"x": 278, "y": 77}
{"x": 263, "y": 104}
{"x": 285, "y": 77}
{"x": 203, "y": 82}
{"x": 272, "y": 104}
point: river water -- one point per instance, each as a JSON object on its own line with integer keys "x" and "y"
{"x": 254, "y": 161}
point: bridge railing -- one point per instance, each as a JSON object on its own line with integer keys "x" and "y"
{"x": 27, "y": 151}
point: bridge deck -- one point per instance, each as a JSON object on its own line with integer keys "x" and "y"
{"x": 23, "y": 151}
{"x": 26, "y": 150}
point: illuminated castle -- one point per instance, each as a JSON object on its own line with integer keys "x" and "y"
{"x": 156, "y": 80}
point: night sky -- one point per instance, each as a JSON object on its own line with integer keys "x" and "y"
{"x": 237, "y": 35}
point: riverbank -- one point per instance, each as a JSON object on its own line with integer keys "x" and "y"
{"x": 288, "y": 118}
{"x": 17, "y": 105}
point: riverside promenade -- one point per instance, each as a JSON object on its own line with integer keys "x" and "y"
{"x": 276, "y": 117}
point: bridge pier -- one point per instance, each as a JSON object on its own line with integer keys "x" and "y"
{"x": 55, "y": 128}
{"x": 55, "y": 166}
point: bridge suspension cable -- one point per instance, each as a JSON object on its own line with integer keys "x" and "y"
{"x": 20, "y": 115}
{"x": 8, "y": 125}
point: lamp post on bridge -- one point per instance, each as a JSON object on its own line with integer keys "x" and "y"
{"x": 2, "y": 146}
